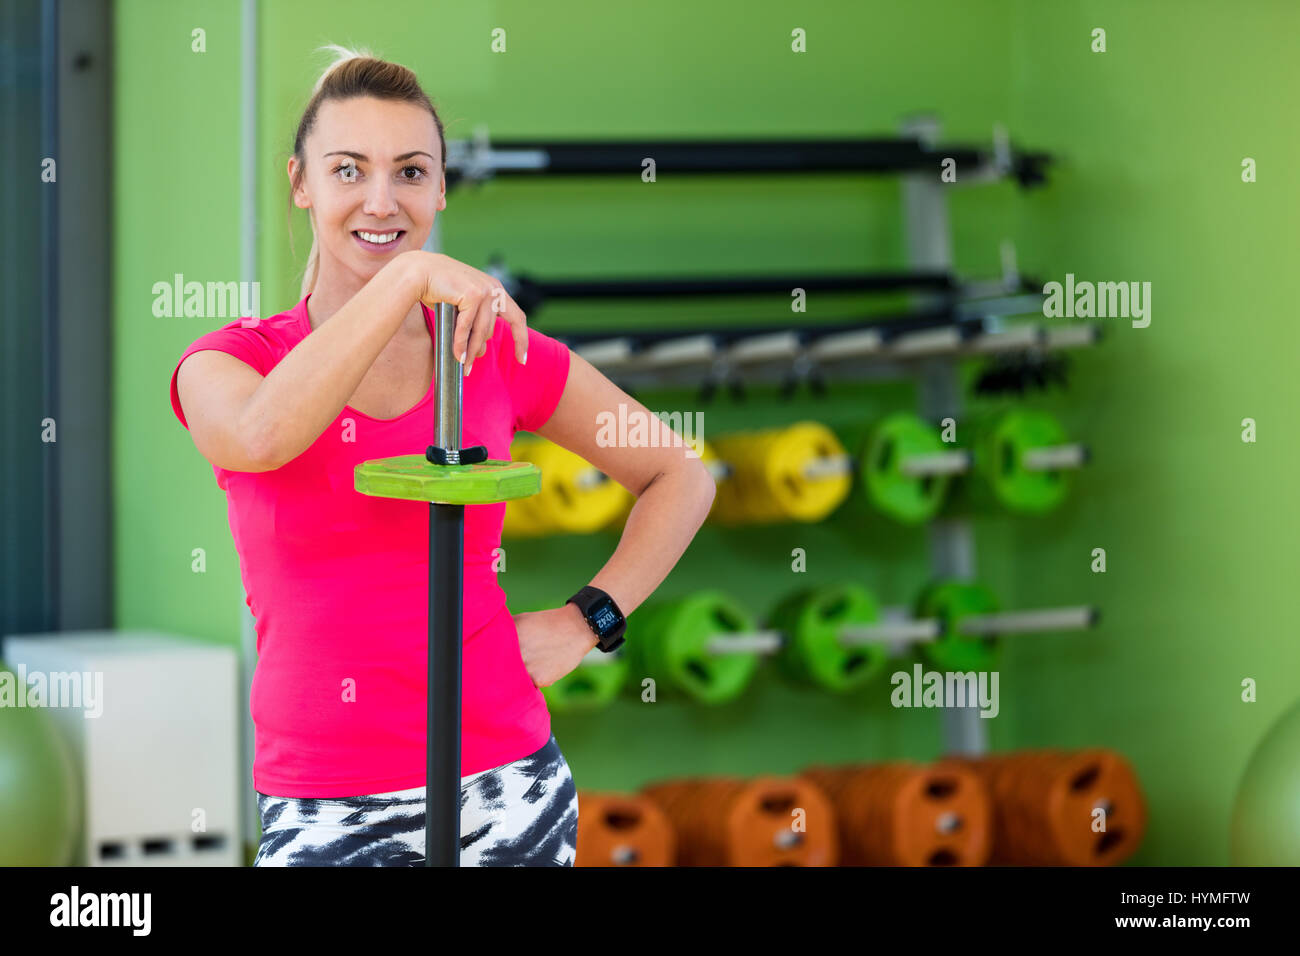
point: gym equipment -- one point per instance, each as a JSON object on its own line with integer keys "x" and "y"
{"x": 903, "y": 814}
{"x": 681, "y": 644}
{"x": 1044, "y": 803}
{"x": 516, "y": 521}
{"x": 1022, "y": 460}
{"x": 532, "y": 292}
{"x": 953, "y": 603}
{"x": 480, "y": 158}
{"x": 1019, "y": 372}
{"x": 40, "y": 800}
{"x": 616, "y": 829}
{"x": 1265, "y": 829}
{"x": 737, "y": 355}
{"x": 814, "y": 621}
{"x": 832, "y": 637}
{"x": 969, "y": 623}
{"x": 575, "y": 496}
{"x": 448, "y": 477}
{"x": 1018, "y": 460}
{"x": 800, "y": 472}
{"x": 706, "y": 647}
{"x": 724, "y": 821}
{"x": 906, "y": 468}
{"x": 593, "y": 684}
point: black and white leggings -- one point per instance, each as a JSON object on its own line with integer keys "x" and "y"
{"x": 523, "y": 813}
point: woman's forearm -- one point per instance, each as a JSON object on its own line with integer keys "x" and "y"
{"x": 657, "y": 533}
{"x": 309, "y": 387}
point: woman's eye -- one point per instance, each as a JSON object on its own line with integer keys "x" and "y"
{"x": 349, "y": 172}
{"x": 418, "y": 170}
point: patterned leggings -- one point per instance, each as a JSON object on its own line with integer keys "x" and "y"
{"x": 523, "y": 813}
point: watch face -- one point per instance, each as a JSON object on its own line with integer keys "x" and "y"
{"x": 606, "y": 617}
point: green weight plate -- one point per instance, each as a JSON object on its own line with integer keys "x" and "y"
{"x": 1002, "y": 451}
{"x": 670, "y": 639}
{"x": 587, "y": 687}
{"x": 813, "y": 619}
{"x": 950, "y": 601}
{"x": 642, "y": 633}
{"x": 905, "y": 498}
{"x": 415, "y": 478}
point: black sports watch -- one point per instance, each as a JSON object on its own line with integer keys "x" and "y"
{"x": 603, "y": 617}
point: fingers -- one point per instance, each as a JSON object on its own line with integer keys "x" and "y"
{"x": 484, "y": 320}
{"x": 519, "y": 328}
{"x": 483, "y": 300}
{"x": 508, "y": 309}
{"x": 497, "y": 303}
{"x": 468, "y": 337}
{"x": 501, "y": 303}
{"x": 465, "y": 314}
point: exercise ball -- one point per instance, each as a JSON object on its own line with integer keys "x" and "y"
{"x": 1266, "y": 811}
{"x": 40, "y": 803}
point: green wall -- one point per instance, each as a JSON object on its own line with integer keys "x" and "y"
{"x": 175, "y": 205}
{"x": 1199, "y": 535}
{"x": 1150, "y": 135}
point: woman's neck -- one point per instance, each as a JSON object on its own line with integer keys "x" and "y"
{"x": 335, "y": 287}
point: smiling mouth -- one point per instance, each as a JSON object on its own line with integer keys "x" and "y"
{"x": 379, "y": 240}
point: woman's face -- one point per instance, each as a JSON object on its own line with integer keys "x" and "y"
{"x": 373, "y": 181}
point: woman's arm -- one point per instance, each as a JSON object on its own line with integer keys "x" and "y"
{"x": 674, "y": 490}
{"x": 309, "y": 387}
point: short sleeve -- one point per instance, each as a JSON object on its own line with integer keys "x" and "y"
{"x": 249, "y": 343}
{"x": 535, "y": 388}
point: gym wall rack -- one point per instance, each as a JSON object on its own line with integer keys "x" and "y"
{"x": 929, "y": 353}
{"x": 962, "y": 319}
{"x": 478, "y": 159}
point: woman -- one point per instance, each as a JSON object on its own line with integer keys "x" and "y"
{"x": 285, "y": 407}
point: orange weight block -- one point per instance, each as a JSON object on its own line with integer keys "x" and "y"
{"x": 617, "y": 829}
{"x": 766, "y": 821}
{"x": 904, "y": 814}
{"x": 1046, "y": 805}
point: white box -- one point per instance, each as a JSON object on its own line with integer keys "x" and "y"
{"x": 160, "y": 763}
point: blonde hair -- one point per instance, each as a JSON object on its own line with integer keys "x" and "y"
{"x": 353, "y": 73}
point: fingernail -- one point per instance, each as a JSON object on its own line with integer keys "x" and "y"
{"x": 461, "y": 360}
{"x": 467, "y": 368}
{"x": 524, "y": 360}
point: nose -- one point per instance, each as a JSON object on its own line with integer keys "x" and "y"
{"x": 380, "y": 201}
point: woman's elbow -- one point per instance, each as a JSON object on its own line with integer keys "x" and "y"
{"x": 691, "y": 482}
{"x": 708, "y": 488}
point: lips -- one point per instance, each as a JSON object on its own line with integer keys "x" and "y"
{"x": 394, "y": 237}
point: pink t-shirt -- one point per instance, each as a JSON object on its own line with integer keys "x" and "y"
{"x": 338, "y": 583}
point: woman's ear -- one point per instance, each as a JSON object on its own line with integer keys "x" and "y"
{"x": 300, "y": 197}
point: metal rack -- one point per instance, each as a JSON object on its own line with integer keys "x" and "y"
{"x": 952, "y": 543}
{"x": 478, "y": 158}
{"x": 949, "y": 321}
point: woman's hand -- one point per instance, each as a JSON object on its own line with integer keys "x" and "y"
{"x": 553, "y": 642}
{"x": 479, "y": 299}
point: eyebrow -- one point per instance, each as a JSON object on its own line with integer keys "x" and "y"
{"x": 366, "y": 159}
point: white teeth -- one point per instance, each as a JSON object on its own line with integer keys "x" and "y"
{"x": 377, "y": 237}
